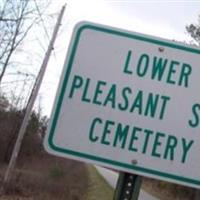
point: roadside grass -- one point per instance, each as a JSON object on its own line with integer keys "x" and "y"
{"x": 168, "y": 191}
{"x": 98, "y": 188}
{"x": 47, "y": 178}
{"x": 52, "y": 178}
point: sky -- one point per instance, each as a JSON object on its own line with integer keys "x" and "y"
{"x": 165, "y": 19}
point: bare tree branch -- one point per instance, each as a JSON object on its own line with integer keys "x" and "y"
{"x": 17, "y": 17}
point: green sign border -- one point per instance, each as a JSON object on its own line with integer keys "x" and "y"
{"x": 69, "y": 62}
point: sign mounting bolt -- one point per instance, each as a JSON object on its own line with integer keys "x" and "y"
{"x": 161, "y": 49}
{"x": 134, "y": 162}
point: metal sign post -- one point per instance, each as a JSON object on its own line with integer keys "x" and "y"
{"x": 128, "y": 186}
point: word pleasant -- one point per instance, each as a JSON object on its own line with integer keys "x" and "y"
{"x": 101, "y": 93}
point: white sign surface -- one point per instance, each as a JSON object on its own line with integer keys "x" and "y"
{"x": 129, "y": 102}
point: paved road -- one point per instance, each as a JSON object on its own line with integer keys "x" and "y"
{"x": 111, "y": 177}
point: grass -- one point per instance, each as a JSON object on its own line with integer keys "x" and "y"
{"x": 98, "y": 188}
{"x": 54, "y": 178}
{"x": 168, "y": 191}
{"x": 48, "y": 178}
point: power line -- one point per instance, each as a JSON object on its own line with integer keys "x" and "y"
{"x": 43, "y": 24}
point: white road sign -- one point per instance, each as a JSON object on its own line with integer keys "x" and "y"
{"x": 130, "y": 102}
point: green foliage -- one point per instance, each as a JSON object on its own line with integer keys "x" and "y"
{"x": 194, "y": 31}
{"x": 4, "y": 103}
{"x": 56, "y": 172}
{"x": 10, "y": 122}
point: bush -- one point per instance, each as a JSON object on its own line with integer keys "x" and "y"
{"x": 10, "y": 122}
{"x": 56, "y": 172}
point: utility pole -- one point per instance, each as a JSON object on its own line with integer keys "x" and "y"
{"x": 30, "y": 103}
